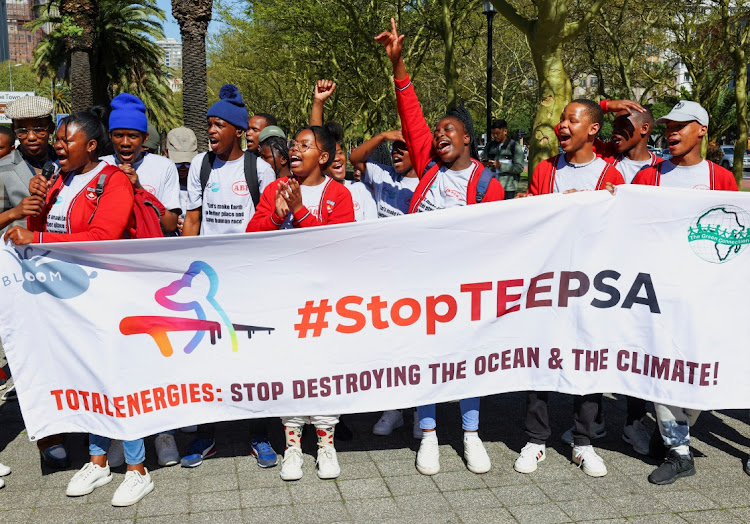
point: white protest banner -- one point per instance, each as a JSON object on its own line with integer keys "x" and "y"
{"x": 643, "y": 293}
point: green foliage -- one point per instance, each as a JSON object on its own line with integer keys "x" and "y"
{"x": 123, "y": 56}
{"x": 25, "y": 79}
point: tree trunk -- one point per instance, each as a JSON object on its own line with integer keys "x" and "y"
{"x": 739, "y": 57}
{"x": 555, "y": 91}
{"x": 193, "y": 16}
{"x": 449, "y": 60}
{"x": 80, "y": 81}
{"x": 194, "y": 86}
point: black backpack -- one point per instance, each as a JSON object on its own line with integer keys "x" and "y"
{"x": 251, "y": 173}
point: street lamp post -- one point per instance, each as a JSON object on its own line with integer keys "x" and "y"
{"x": 489, "y": 10}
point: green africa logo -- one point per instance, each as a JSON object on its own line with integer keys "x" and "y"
{"x": 719, "y": 233}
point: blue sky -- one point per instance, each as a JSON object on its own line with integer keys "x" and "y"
{"x": 171, "y": 29}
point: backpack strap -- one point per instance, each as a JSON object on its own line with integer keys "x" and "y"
{"x": 657, "y": 179}
{"x": 712, "y": 173}
{"x": 430, "y": 171}
{"x": 483, "y": 184}
{"x": 99, "y": 189}
{"x": 251, "y": 176}
{"x": 206, "y": 165}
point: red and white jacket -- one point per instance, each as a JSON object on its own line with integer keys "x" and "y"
{"x": 418, "y": 137}
{"x": 543, "y": 179}
{"x": 113, "y": 219}
{"x": 720, "y": 178}
{"x": 335, "y": 207}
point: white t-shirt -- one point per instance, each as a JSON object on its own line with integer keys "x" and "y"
{"x": 688, "y": 177}
{"x": 73, "y": 185}
{"x": 311, "y": 199}
{"x": 582, "y": 177}
{"x": 364, "y": 203}
{"x": 448, "y": 190}
{"x": 392, "y": 190}
{"x": 226, "y": 204}
{"x": 629, "y": 168}
{"x": 158, "y": 175}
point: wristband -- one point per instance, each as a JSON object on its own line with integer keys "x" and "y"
{"x": 603, "y": 104}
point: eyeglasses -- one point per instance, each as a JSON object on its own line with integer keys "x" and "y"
{"x": 183, "y": 165}
{"x": 301, "y": 146}
{"x": 22, "y": 132}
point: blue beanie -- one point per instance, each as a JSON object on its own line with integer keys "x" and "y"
{"x": 128, "y": 112}
{"x": 230, "y": 107}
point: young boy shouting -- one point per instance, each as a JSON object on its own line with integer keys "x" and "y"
{"x": 687, "y": 124}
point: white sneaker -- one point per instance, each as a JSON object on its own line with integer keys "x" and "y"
{"x": 600, "y": 431}
{"x": 291, "y": 464}
{"x": 637, "y": 436}
{"x": 531, "y": 455}
{"x": 328, "y": 464}
{"x": 416, "y": 430}
{"x": 87, "y": 479}
{"x": 4, "y": 470}
{"x": 428, "y": 456}
{"x": 477, "y": 460}
{"x": 587, "y": 459}
{"x": 2, "y": 483}
{"x": 115, "y": 454}
{"x": 133, "y": 488}
{"x": 389, "y": 421}
{"x": 166, "y": 450}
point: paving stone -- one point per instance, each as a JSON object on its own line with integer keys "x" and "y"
{"x": 520, "y": 495}
{"x": 270, "y": 514}
{"x": 316, "y": 512}
{"x": 363, "y": 489}
{"x": 424, "y": 504}
{"x": 539, "y": 514}
{"x": 588, "y": 509}
{"x": 663, "y": 518}
{"x": 396, "y": 468}
{"x": 373, "y": 510}
{"x": 471, "y": 498}
{"x": 634, "y": 505}
{"x": 561, "y": 491}
{"x": 256, "y": 498}
{"x": 210, "y": 483}
{"x": 151, "y": 506}
{"x": 320, "y": 491}
{"x": 220, "y": 500}
{"x": 458, "y": 480}
{"x": 411, "y": 485}
{"x": 217, "y": 517}
{"x": 685, "y": 500}
{"x": 710, "y": 517}
{"x": 486, "y": 515}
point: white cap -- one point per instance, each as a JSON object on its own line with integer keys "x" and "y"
{"x": 686, "y": 111}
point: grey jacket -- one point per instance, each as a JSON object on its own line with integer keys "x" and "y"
{"x": 15, "y": 174}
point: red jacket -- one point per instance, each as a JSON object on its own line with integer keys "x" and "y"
{"x": 418, "y": 137}
{"x": 721, "y": 179}
{"x": 335, "y": 207}
{"x": 543, "y": 179}
{"x": 112, "y": 220}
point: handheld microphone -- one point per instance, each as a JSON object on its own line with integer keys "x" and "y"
{"x": 48, "y": 170}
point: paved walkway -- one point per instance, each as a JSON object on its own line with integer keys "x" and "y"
{"x": 379, "y": 483}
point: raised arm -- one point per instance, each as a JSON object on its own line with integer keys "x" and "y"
{"x": 321, "y": 92}
{"x": 417, "y": 133}
{"x": 359, "y": 156}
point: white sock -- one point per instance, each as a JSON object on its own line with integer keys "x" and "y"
{"x": 471, "y": 434}
{"x": 682, "y": 450}
{"x": 429, "y": 434}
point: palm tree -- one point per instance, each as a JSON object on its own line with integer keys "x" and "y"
{"x": 77, "y": 32}
{"x": 194, "y": 17}
{"x": 121, "y": 53}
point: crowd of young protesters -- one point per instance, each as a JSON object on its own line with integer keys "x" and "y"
{"x": 103, "y": 162}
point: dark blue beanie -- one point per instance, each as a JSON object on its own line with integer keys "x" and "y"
{"x": 128, "y": 112}
{"x": 231, "y": 107}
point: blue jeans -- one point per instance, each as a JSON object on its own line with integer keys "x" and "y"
{"x": 135, "y": 450}
{"x": 469, "y": 414}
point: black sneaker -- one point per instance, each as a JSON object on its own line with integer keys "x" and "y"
{"x": 675, "y": 466}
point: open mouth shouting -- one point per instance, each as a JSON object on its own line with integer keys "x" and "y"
{"x": 443, "y": 146}
{"x": 295, "y": 160}
{"x": 564, "y": 139}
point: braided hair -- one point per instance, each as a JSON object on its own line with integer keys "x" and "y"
{"x": 278, "y": 146}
